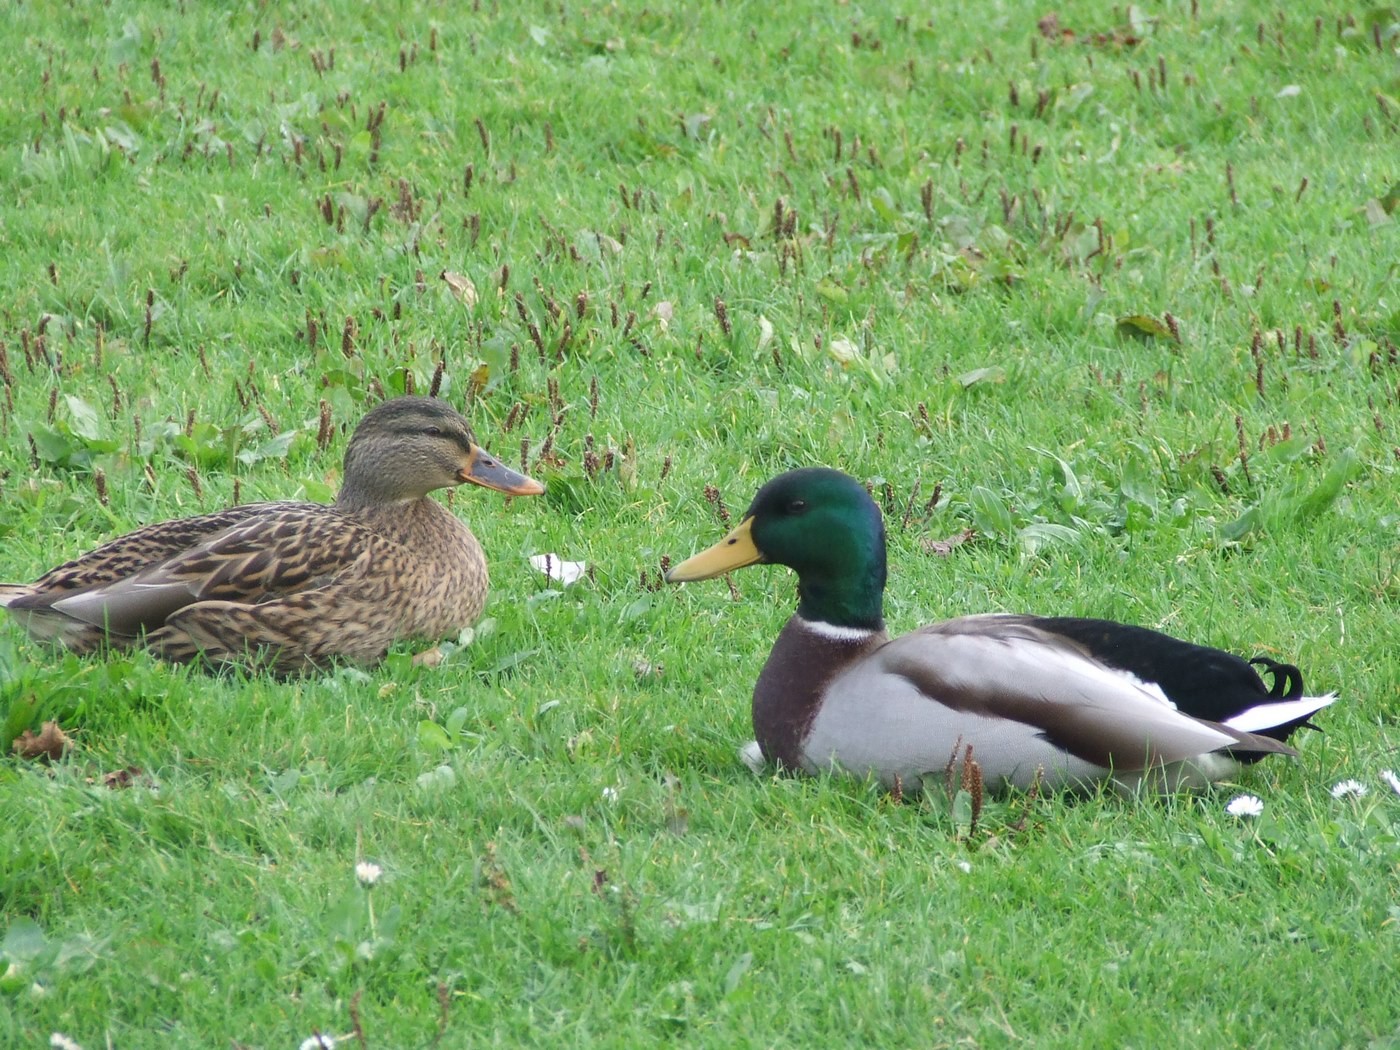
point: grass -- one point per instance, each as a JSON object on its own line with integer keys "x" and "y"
{"x": 707, "y": 243}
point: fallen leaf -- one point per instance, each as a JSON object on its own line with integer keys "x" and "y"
{"x": 663, "y": 312}
{"x": 643, "y": 668}
{"x": 765, "y": 333}
{"x": 832, "y": 292}
{"x": 677, "y": 819}
{"x": 694, "y": 123}
{"x": 50, "y": 743}
{"x": 1143, "y": 326}
{"x": 990, "y": 374}
{"x": 945, "y": 547}
{"x": 843, "y": 350}
{"x": 121, "y": 778}
{"x": 429, "y": 657}
{"x": 461, "y": 285}
{"x": 476, "y": 382}
{"x": 1376, "y": 215}
{"x": 1051, "y": 29}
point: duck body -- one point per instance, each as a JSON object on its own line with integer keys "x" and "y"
{"x": 288, "y": 585}
{"x": 1071, "y": 702}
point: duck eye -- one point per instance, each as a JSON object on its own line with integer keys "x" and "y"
{"x": 796, "y": 506}
{"x": 433, "y": 432}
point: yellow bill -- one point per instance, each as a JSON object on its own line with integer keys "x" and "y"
{"x": 733, "y": 552}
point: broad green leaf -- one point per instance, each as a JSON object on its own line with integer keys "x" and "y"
{"x": 1074, "y": 97}
{"x": 1073, "y": 491}
{"x": 1242, "y": 526}
{"x": 1040, "y": 534}
{"x": 22, "y": 714}
{"x": 1288, "y": 450}
{"x": 832, "y": 292}
{"x": 736, "y": 972}
{"x": 1137, "y": 484}
{"x": 456, "y": 721}
{"x": 986, "y": 374}
{"x": 882, "y": 202}
{"x": 274, "y": 448}
{"x": 1143, "y": 326}
{"x": 24, "y": 941}
{"x": 990, "y": 513}
{"x": 52, "y": 445}
{"x": 1330, "y": 487}
{"x": 85, "y": 421}
{"x": 433, "y": 737}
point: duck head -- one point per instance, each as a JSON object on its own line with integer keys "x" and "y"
{"x": 823, "y": 525}
{"x": 410, "y": 446}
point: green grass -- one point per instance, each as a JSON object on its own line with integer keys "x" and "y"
{"x": 924, "y": 227}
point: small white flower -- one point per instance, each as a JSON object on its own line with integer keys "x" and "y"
{"x": 319, "y": 1041}
{"x": 61, "y": 1042}
{"x": 368, "y": 873}
{"x": 556, "y": 568}
{"x": 965, "y": 866}
{"x": 1391, "y": 779}
{"x": 609, "y": 794}
{"x": 1245, "y": 806}
{"x": 1349, "y": 789}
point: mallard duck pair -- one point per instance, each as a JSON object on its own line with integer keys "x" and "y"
{"x": 1072, "y": 702}
{"x": 292, "y": 586}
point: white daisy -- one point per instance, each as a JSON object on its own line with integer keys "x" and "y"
{"x": 1391, "y": 779}
{"x": 368, "y": 873}
{"x": 1349, "y": 789}
{"x": 319, "y": 1041}
{"x": 1245, "y": 806}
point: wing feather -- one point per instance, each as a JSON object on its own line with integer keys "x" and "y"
{"x": 285, "y": 550}
{"x": 1013, "y": 671}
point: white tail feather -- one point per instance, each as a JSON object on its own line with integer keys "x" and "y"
{"x": 1276, "y": 712}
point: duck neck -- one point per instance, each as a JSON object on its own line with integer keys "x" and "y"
{"x": 852, "y": 595}
{"x": 807, "y": 657}
{"x": 421, "y": 518}
{"x": 357, "y": 495}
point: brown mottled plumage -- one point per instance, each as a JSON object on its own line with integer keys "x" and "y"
{"x": 290, "y": 585}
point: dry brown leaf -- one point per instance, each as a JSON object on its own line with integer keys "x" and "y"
{"x": 1050, "y": 29}
{"x": 428, "y": 657}
{"x": 477, "y": 381}
{"x": 461, "y": 285}
{"x": 121, "y": 778}
{"x": 50, "y": 743}
{"x": 644, "y": 668}
{"x": 945, "y": 547}
{"x": 663, "y": 312}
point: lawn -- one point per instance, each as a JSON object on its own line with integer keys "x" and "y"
{"x": 1102, "y": 304}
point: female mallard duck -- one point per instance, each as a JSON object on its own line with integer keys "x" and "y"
{"x": 1074, "y": 701}
{"x": 291, "y": 585}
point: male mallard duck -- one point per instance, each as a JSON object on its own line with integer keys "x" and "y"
{"x": 1083, "y": 700}
{"x": 290, "y": 585}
